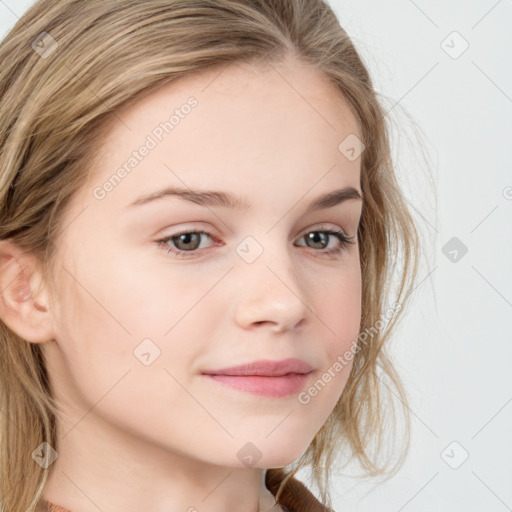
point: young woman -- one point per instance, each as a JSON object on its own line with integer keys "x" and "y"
{"x": 199, "y": 222}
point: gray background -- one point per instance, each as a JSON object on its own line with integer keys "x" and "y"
{"x": 454, "y": 347}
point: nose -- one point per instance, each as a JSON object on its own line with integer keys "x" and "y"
{"x": 271, "y": 293}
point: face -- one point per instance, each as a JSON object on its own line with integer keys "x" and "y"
{"x": 153, "y": 294}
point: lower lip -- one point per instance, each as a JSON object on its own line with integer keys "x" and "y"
{"x": 276, "y": 387}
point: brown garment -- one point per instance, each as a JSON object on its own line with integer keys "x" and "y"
{"x": 295, "y": 497}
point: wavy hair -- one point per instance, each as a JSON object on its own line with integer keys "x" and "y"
{"x": 53, "y": 110}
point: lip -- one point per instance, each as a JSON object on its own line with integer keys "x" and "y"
{"x": 266, "y": 368}
{"x": 268, "y": 378}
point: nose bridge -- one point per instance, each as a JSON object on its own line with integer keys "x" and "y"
{"x": 271, "y": 290}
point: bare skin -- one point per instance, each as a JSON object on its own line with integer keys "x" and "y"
{"x": 162, "y": 436}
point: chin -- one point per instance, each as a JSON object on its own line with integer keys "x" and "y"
{"x": 280, "y": 453}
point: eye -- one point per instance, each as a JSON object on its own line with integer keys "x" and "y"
{"x": 186, "y": 243}
{"x": 321, "y": 237}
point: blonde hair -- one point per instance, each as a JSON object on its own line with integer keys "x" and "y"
{"x": 53, "y": 110}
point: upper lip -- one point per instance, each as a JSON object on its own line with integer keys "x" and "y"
{"x": 265, "y": 367}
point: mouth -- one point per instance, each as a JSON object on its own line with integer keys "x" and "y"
{"x": 276, "y": 387}
{"x": 276, "y": 379}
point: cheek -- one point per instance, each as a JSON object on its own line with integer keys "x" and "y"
{"x": 93, "y": 337}
{"x": 102, "y": 368}
{"x": 159, "y": 296}
{"x": 95, "y": 325}
{"x": 339, "y": 307}
{"x": 339, "y": 312}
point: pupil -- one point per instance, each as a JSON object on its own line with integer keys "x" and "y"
{"x": 186, "y": 239}
{"x": 314, "y": 236}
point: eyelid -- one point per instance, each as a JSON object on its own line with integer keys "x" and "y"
{"x": 208, "y": 230}
{"x": 190, "y": 227}
{"x": 344, "y": 241}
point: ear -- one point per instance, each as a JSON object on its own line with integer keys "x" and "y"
{"x": 24, "y": 304}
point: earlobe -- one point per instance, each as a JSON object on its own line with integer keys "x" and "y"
{"x": 23, "y": 307}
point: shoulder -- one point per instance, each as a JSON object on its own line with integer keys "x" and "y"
{"x": 295, "y": 496}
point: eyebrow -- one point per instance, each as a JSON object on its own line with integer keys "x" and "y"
{"x": 215, "y": 198}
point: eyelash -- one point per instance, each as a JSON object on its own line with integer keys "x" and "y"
{"x": 344, "y": 240}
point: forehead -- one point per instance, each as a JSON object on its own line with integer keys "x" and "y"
{"x": 290, "y": 79}
{"x": 248, "y": 118}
